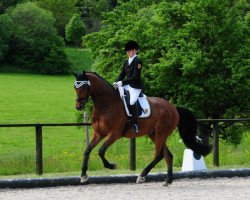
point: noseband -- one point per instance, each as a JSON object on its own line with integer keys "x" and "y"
{"x": 79, "y": 84}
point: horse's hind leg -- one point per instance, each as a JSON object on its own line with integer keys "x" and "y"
{"x": 169, "y": 160}
{"x": 103, "y": 150}
{"x": 159, "y": 154}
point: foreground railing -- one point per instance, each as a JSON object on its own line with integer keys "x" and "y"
{"x": 39, "y": 139}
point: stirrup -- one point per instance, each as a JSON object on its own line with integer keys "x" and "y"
{"x": 135, "y": 128}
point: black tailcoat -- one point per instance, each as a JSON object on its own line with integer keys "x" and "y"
{"x": 131, "y": 74}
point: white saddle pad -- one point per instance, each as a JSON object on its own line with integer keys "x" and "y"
{"x": 146, "y": 111}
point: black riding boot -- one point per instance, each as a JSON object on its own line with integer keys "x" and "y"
{"x": 134, "y": 112}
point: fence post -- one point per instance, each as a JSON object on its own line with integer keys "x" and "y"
{"x": 215, "y": 144}
{"x": 85, "y": 117}
{"x": 132, "y": 154}
{"x": 39, "y": 150}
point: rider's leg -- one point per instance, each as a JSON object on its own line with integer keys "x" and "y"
{"x": 134, "y": 94}
{"x": 134, "y": 112}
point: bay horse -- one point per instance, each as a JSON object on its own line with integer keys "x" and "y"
{"x": 109, "y": 119}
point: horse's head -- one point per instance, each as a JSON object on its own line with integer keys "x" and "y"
{"x": 83, "y": 90}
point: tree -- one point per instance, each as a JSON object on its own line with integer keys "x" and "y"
{"x": 195, "y": 53}
{"x": 62, "y": 10}
{"x": 5, "y": 33}
{"x": 91, "y": 12}
{"x": 7, "y": 4}
{"x": 75, "y": 30}
{"x": 112, "y": 4}
{"x": 35, "y": 43}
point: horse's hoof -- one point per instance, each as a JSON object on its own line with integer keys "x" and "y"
{"x": 141, "y": 179}
{"x": 166, "y": 184}
{"x": 114, "y": 166}
{"x": 84, "y": 179}
{"x": 169, "y": 181}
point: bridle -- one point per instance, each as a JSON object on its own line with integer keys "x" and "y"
{"x": 79, "y": 84}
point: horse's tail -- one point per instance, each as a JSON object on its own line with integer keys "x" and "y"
{"x": 187, "y": 130}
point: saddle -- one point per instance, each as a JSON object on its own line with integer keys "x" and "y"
{"x": 142, "y": 103}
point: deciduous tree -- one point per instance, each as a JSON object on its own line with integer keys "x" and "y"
{"x": 62, "y": 11}
{"x": 35, "y": 45}
{"x": 195, "y": 53}
{"x": 75, "y": 30}
{"x": 5, "y": 33}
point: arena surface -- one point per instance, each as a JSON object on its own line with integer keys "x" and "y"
{"x": 182, "y": 189}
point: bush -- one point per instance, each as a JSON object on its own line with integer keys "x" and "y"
{"x": 35, "y": 45}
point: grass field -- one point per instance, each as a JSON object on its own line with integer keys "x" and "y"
{"x": 79, "y": 59}
{"x": 27, "y": 98}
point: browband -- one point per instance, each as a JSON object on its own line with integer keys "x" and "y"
{"x": 79, "y": 84}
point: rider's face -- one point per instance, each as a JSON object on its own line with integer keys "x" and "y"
{"x": 131, "y": 53}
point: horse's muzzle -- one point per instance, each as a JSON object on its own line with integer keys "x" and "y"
{"x": 79, "y": 108}
{"x": 80, "y": 105}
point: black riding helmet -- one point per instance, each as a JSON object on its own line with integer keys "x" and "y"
{"x": 130, "y": 45}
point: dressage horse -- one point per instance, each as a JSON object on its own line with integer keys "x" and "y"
{"x": 109, "y": 121}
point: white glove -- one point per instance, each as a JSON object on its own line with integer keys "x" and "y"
{"x": 119, "y": 83}
{"x": 115, "y": 85}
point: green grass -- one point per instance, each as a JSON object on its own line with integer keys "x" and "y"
{"x": 28, "y": 98}
{"x": 79, "y": 59}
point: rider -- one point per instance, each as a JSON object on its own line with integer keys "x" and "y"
{"x": 130, "y": 79}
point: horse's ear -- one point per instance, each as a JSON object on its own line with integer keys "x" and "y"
{"x": 75, "y": 74}
{"x": 84, "y": 74}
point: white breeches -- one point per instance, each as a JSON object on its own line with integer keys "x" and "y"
{"x": 134, "y": 93}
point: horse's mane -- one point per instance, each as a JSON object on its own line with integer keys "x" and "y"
{"x": 106, "y": 82}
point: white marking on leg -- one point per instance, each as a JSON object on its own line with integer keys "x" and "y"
{"x": 141, "y": 179}
{"x": 84, "y": 178}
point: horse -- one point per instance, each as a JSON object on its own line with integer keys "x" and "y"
{"x": 109, "y": 108}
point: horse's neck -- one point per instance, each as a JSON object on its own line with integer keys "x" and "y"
{"x": 103, "y": 95}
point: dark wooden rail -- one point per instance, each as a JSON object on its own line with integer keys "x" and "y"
{"x": 39, "y": 150}
{"x": 215, "y": 122}
{"x": 39, "y": 141}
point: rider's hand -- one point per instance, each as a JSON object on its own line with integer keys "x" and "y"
{"x": 115, "y": 85}
{"x": 119, "y": 83}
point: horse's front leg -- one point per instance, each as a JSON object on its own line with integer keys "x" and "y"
{"x": 95, "y": 141}
{"x": 103, "y": 150}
